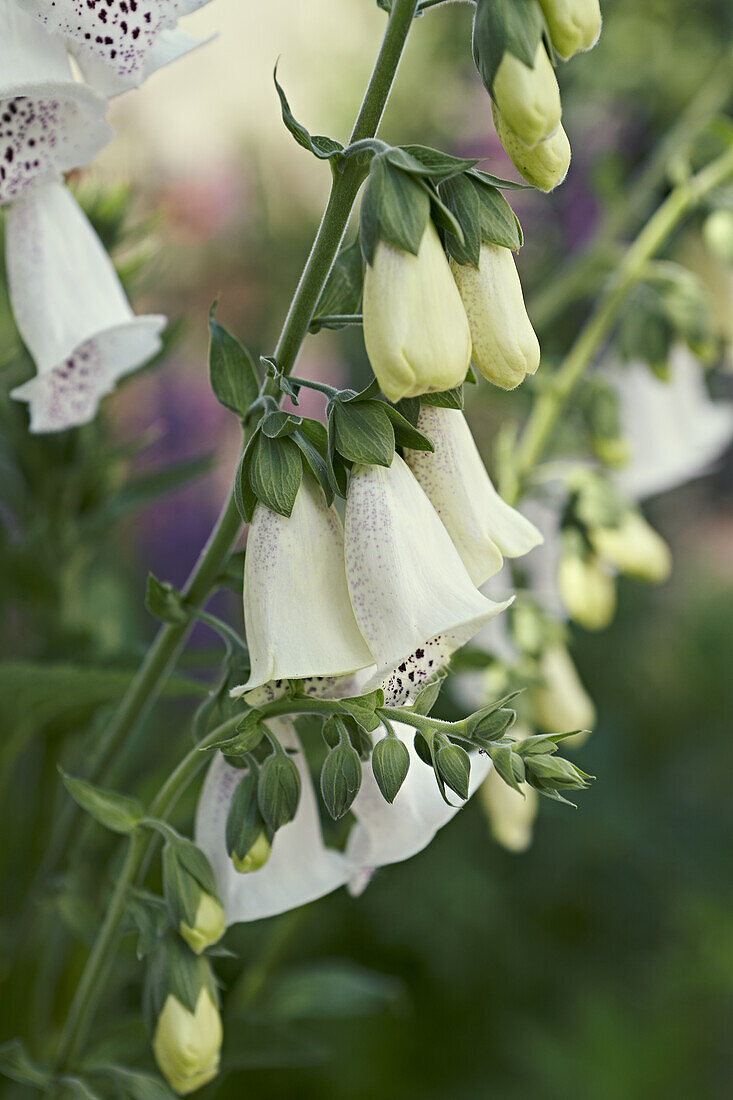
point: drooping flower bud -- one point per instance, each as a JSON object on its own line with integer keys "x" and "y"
{"x": 505, "y": 347}
{"x": 545, "y": 164}
{"x": 717, "y": 232}
{"x": 415, "y": 327}
{"x": 561, "y": 703}
{"x": 587, "y": 590}
{"x": 528, "y": 98}
{"x": 247, "y": 837}
{"x": 634, "y": 548}
{"x": 181, "y": 1004}
{"x": 191, "y": 894}
{"x": 483, "y": 527}
{"x": 574, "y": 25}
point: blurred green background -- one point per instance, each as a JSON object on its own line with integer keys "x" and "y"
{"x": 600, "y": 963}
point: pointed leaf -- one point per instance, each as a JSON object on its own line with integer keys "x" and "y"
{"x": 115, "y": 811}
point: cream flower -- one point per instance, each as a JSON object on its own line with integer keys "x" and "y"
{"x": 511, "y": 814}
{"x": 483, "y": 527}
{"x": 528, "y": 98}
{"x": 70, "y": 309}
{"x": 505, "y": 347}
{"x": 412, "y": 596}
{"x": 587, "y": 590}
{"x": 561, "y": 703}
{"x": 297, "y": 613}
{"x": 634, "y": 548}
{"x": 574, "y": 25}
{"x": 545, "y": 164}
{"x": 415, "y": 327}
{"x": 187, "y": 1044}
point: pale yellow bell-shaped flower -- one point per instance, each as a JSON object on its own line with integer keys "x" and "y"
{"x": 187, "y": 1045}
{"x": 297, "y": 612}
{"x": 208, "y": 927}
{"x": 634, "y": 548}
{"x": 505, "y": 347}
{"x": 483, "y": 527}
{"x": 545, "y": 164}
{"x": 413, "y": 598}
{"x": 574, "y": 25}
{"x": 511, "y": 814}
{"x": 587, "y": 590}
{"x": 561, "y": 703}
{"x": 528, "y": 98}
{"x": 415, "y": 327}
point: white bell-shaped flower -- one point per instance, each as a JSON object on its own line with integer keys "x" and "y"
{"x": 412, "y": 596}
{"x": 483, "y": 527}
{"x": 70, "y": 309}
{"x": 49, "y": 123}
{"x": 300, "y": 868}
{"x": 392, "y": 832}
{"x": 117, "y": 43}
{"x": 297, "y": 613}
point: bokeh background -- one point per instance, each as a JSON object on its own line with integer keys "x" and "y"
{"x": 600, "y": 963}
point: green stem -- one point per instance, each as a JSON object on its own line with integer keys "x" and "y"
{"x": 550, "y": 403}
{"x": 170, "y": 639}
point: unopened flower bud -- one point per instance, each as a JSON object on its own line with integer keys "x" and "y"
{"x": 190, "y": 891}
{"x": 415, "y": 328}
{"x": 544, "y": 164}
{"x": 717, "y": 232}
{"x": 247, "y": 835}
{"x": 511, "y": 813}
{"x": 634, "y": 548}
{"x": 587, "y": 591}
{"x": 613, "y": 451}
{"x": 505, "y": 347}
{"x": 574, "y": 25}
{"x": 208, "y": 926}
{"x": 561, "y": 703}
{"x": 187, "y": 1044}
{"x": 256, "y": 857}
{"x": 528, "y": 98}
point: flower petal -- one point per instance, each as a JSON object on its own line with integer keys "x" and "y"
{"x": 300, "y": 868}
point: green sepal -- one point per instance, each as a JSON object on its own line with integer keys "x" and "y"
{"x": 174, "y": 969}
{"x": 245, "y": 822}
{"x": 433, "y": 164}
{"x": 499, "y": 26}
{"x": 363, "y": 708}
{"x": 395, "y": 208}
{"x": 340, "y": 778}
{"x": 484, "y": 215}
{"x": 454, "y": 765}
{"x": 149, "y": 915}
{"x": 505, "y": 761}
{"x": 445, "y": 399}
{"x": 278, "y": 790}
{"x": 280, "y": 424}
{"x": 115, "y": 811}
{"x": 427, "y": 697}
{"x": 275, "y": 472}
{"x": 324, "y": 148}
{"x": 232, "y": 372}
{"x": 312, "y": 439}
{"x": 186, "y": 873}
{"x": 405, "y": 433}
{"x": 164, "y": 602}
{"x": 390, "y": 764}
{"x": 244, "y": 497}
{"x": 363, "y": 432}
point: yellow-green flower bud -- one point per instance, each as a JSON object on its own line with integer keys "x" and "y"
{"x": 256, "y": 857}
{"x": 634, "y": 548}
{"x": 208, "y": 927}
{"x": 717, "y": 232}
{"x": 505, "y": 347}
{"x": 528, "y": 98}
{"x": 187, "y": 1045}
{"x": 561, "y": 703}
{"x": 511, "y": 814}
{"x": 574, "y": 25}
{"x": 587, "y": 591}
{"x": 415, "y": 327}
{"x": 545, "y": 164}
{"x": 613, "y": 451}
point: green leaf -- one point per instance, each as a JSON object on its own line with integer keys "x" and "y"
{"x": 460, "y": 195}
{"x": 432, "y": 163}
{"x": 501, "y": 25}
{"x": 165, "y": 602}
{"x": 275, "y": 471}
{"x": 395, "y": 208}
{"x": 250, "y": 732}
{"x": 322, "y": 147}
{"x": 244, "y": 497}
{"x": 17, "y": 1064}
{"x": 340, "y": 779}
{"x": 186, "y": 872}
{"x": 427, "y": 697}
{"x": 405, "y": 433}
{"x": 329, "y": 990}
{"x": 232, "y": 372}
{"x": 342, "y": 293}
{"x": 390, "y": 764}
{"x": 278, "y": 790}
{"x": 312, "y": 439}
{"x": 245, "y": 823}
{"x": 362, "y": 708}
{"x": 280, "y": 424}
{"x": 446, "y": 399}
{"x": 115, "y": 811}
{"x": 363, "y": 432}
{"x": 499, "y": 223}
{"x": 137, "y": 1085}
{"x": 151, "y": 921}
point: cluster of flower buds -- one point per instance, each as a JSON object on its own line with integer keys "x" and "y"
{"x": 68, "y": 302}
{"x": 513, "y": 46}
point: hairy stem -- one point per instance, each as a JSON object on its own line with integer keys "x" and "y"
{"x": 550, "y": 403}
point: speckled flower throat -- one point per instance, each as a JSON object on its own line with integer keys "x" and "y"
{"x": 30, "y": 130}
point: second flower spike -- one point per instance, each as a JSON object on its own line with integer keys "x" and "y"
{"x": 296, "y": 603}
{"x": 413, "y": 598}
{"x": 483, "y": 527}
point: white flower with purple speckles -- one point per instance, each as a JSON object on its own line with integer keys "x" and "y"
{"x": 414, "y": 601}
{"x": 118, "y": 43}
{"x": 297, "y": 612}
{"x": 483, "y": 527}
{"x": 49, "y": 123}
{"x": 301, "y": 868}
{"x": 70, "y": 309}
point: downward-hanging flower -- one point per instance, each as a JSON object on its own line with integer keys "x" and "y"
{"x": 634, "y": 548}
{"x": 70, "y": 309}
{"x": 560, "y": 703}
{"x": 483, "y": 527}
{"x": 297, "y": 613}
{"x": 118, "y": 43}
{"x": 413, "y": 598}
{"x": 415, "y": 327}
{"x": 511, "y": 814}
{"x": 505, "y": 347}
{"x": 49, "y": 123}
{"x": 545, "y": 164}
{"x": 587, "y": 589}
{"x": 574, "y": 25}
{"x": 528, "y": 98}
